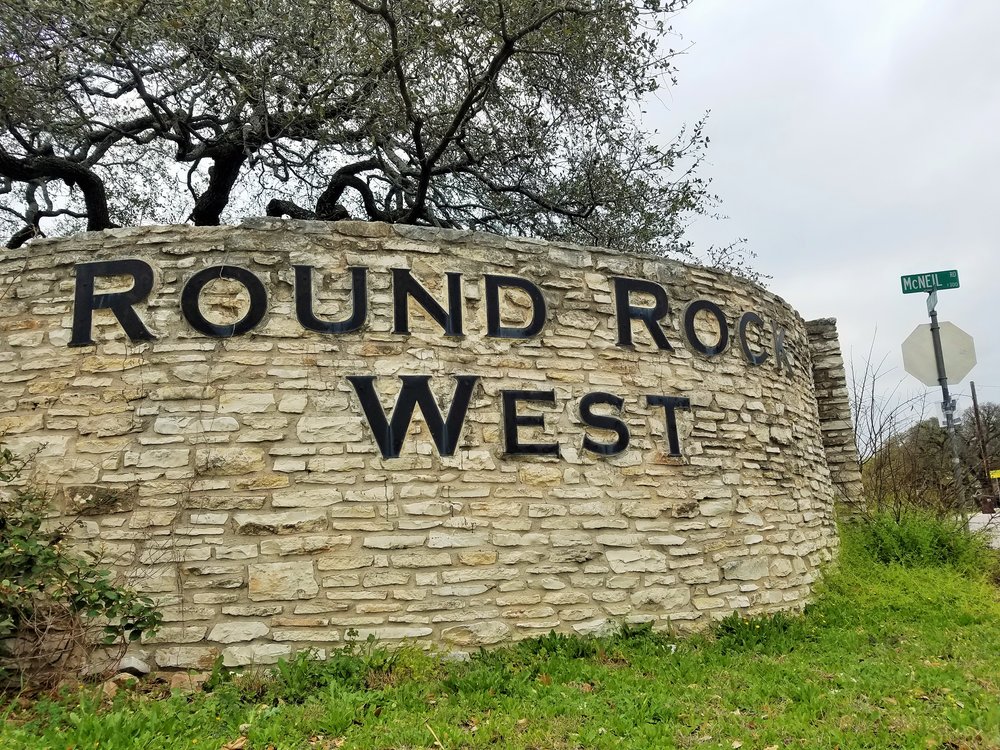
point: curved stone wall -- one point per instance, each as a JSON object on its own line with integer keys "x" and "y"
{"x": 286, "y": 431}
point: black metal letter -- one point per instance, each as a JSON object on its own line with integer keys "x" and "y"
{"x": 405, "y": 286}
{"x": 120, "y": 303}
{"x": 304, "y": 302}
{"x": 415, "y": 391}
{"x": 626, "y": 312}
{"x": 692, "y": 334}
{"x": 602, "y": 422}
{"x": 782, "y": 357}
{"x": 669, "y": 404}
{"x": 754, "y": 358}
{"x": 512, "y": 420}
{"x": 493, "y": 326}
{"x": 192, "y": 292}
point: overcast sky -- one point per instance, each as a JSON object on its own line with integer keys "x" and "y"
{"x": 854, "y": 141}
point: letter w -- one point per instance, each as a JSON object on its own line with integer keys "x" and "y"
{"x": 390, "y": 433}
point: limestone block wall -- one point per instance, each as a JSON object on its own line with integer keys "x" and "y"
{"x": 599, "y": 438}
{"x": 833, "y": 399}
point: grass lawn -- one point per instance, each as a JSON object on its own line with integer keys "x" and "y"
{"x": 887, "y": 657}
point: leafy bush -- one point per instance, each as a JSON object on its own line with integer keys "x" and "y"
{"x": 55, "y": 603}
{"x": 916, "y": 539}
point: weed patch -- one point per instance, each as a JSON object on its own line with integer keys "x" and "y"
{"x": 769, "y": 633}
{"x": 359, "y": 666}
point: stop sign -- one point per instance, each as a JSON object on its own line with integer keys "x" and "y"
{"x": 958, "y": 348}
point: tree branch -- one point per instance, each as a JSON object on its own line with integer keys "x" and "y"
{"x": 52, "y": 167}
{"x": 327, "y": 206}
{"x": 276, "y": 207}
{"x": 21, "y": 236}
{"x": 477, "y": 92}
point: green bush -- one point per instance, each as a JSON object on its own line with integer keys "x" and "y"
{"x": 52, "y": 598}
{"x": 918, "y": 539}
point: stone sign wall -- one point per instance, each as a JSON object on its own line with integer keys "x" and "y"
{"x": 833, "y": 398}
{"x": 289, "y": 431}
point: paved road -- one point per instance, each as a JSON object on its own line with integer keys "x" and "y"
{"x": 991, "y": 523}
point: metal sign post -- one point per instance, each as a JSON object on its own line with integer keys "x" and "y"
{"x": 949, "y": 344}
{"x": 947, "y": 402}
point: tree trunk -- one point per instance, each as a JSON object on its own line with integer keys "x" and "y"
{"x": 222, "y": 175}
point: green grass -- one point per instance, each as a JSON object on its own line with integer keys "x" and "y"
{"x": 898, "y": 655}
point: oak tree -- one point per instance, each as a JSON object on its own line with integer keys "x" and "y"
{"x": 512, "y": 116}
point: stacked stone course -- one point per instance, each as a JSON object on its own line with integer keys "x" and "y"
{"x": 834, "y": 402}
{"x": 237, "y": 481}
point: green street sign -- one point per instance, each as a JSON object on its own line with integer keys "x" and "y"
{"x": 929, "y": 282}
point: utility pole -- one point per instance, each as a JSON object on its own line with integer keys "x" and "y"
{"x": 981, "y": 433}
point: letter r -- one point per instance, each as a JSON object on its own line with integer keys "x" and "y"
{"x": 120, "y": 303}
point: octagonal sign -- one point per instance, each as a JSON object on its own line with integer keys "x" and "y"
{"x": 958, "y": 348}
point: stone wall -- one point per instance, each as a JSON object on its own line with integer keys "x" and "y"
{"x": 834, "y": 404}
{"x": 239, "y": 481}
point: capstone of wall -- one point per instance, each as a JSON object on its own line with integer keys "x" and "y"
{"x": 511, "y": 437}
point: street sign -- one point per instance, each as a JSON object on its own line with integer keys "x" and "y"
{"x": 995, "y": 474}
{"x": 928, "y": 282}
{"x": 957, "y": 346}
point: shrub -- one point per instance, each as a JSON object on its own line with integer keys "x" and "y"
{"x": 916, "y": 539}
{"x": 56, "y": 604}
